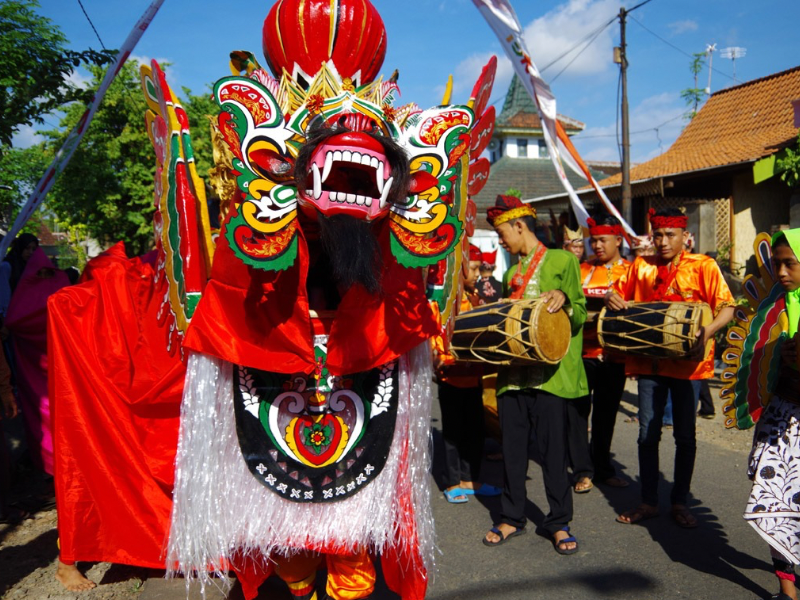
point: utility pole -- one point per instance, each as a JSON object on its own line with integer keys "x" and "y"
{"x": 626, "y": 142}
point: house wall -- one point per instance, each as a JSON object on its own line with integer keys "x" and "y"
{"x": 757, "y": 208}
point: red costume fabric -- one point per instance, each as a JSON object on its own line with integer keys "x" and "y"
{"x": 274, "y": 333}
{"x": 116, "y": 398}
{"x": 27, "y": 322}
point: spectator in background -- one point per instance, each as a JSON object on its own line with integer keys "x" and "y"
{"x": 488, "y": 288}
{"x": 27, "y": 322}
{"x": 573, "y": 242}
{"x": 8, "y": 410}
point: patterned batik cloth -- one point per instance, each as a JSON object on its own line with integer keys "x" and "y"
{"x": 773, "y": 508}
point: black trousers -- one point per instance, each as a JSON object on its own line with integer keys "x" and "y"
{"x": 606, "y": 385}
{"x": 706, "y": 400}
{"x": 462, "y": 433}
{"x": 544, "y": 415}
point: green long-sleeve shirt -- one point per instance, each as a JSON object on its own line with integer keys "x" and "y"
{"x": 558, "y": 270}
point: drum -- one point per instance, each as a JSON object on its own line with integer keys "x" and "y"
{"x": 655, "y": 329}
{"x": 511, "y": 332}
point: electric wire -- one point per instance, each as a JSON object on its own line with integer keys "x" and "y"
{"x": 589, "y": 43}
{"x": 673, "y": 46}
{"x": 592, "y": 33}
{"x": 85, "y": 14}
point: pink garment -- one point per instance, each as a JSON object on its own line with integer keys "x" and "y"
{"x": 27, "y": 322}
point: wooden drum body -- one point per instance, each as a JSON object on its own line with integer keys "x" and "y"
{"x": 511, "y": 332}
{"x": 655, "y": 329}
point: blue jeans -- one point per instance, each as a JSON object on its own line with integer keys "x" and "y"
{"x": 653, "y": 391}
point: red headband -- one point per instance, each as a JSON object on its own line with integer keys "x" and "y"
{"x": 664, "y": 222}
{"x": 595, "y": 229}
{"x": 475, "y": 254}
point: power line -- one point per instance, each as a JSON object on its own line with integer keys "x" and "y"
{"x": 659, "y": 126}
{"x": 671, "y": 45}
{"x": 594, "y": 33}
{"x": 589, "y": 43}
{"x": 85, "y": 14}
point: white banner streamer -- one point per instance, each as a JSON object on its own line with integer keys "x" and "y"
{"x": 503, "y": 20}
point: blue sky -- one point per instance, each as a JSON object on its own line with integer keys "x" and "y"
{"x": 430, "y": 39}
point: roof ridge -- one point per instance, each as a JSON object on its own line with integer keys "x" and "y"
{"x": 755, "y": 81}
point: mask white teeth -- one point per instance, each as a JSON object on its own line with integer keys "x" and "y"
{"x": 379, "y": 176}
{"x": 360, "y": 199}
{"x": 374, "y": 162}
{"x": 351, "y": 198}
{"x": 317, "y": 181}
{"x": 368, "y": 201}
{"x": 347, "y": 156}
{"x": 326, "y": 170}
{"x": 366, "y": 160}
{"x": 385, "y": 194}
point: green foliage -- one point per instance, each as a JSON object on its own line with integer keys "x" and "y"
{"x": 108, "y": 184}
{"x": 694, "y": 96}
{"x": 34, "y": 66}
{"x": 20, "y": 170}
{"x": 513, "y": 192}
{"x": 200, "y": 109}
{"x": 789, "y": 165}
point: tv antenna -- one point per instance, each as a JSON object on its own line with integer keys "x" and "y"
{"x": 733, "y": 52}
{"x": 710, "y": 49}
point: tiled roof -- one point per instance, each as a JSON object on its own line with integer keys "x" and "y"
{"x": 534, "y": 177}
{"x": 736, "y": 125}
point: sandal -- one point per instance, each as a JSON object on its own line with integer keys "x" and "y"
{"x": 683, "y": 517}
{"x": 638, "y": 514}
{"x": 615, "y": 482}
{"x": 586, "y": 483}
{"x": 503, "y": 539}
{"x": 567, "y": 540}
{"x": 484, "y": 490}
{"x": 455, "y": 496}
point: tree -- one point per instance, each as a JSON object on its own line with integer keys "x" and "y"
{"x": 788, "y": 164}
{"x": 694, "y": 96}
{"x": 35, "y": 66}
{"x": 108, "y": 184}
{"x": 20, "y": 171}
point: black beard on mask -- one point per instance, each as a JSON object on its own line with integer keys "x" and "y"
{"x": 353, "y": 251}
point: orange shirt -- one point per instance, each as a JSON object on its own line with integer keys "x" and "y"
{"x": 597, "y": 279}
{"x": 697, "y": 279}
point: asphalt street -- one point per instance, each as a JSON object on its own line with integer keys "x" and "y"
{"x": 722, "y": 558}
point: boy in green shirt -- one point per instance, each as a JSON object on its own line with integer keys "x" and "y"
{"x": 532, "y": 399}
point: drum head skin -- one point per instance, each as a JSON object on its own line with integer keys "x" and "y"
{"x": 551, "y": 333}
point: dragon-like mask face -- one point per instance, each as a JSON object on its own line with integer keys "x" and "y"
{"x": 349, "y": 168}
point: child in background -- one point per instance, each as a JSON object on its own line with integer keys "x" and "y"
{"x": 773, "y": 508}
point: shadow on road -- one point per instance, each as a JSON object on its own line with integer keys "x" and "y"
{"x": 23, "y": 560}
{"x": 607, "y": 583}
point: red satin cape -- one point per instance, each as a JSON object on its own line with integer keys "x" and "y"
{"x": 116, "y": 402}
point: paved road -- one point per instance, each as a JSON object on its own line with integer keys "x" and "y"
{"x": 723, "y": 558}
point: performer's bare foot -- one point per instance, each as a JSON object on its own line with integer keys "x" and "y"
{"x": 71, "y": 578}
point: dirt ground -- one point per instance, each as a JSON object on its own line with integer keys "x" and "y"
{"x": 29, "y": 550}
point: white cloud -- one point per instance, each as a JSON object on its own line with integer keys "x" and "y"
{"x": 655, "y": 123}
{"x": 26, "y": 137}
{"x": 548, "y": 37}
{"x": 679, "y": 27}
{"x": 79, "y": 79}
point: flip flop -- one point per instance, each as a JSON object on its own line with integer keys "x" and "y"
{"x": 455, "y": 496}
{"x": 615, "y": 482}
{"x": 583, "y": 490}
{"x": 683, "y": 517}
{"x": 503, "y": 539}
{"x": 638, "y": 514}
{"x": 566, "y": 540}
{"x": 484, "y": 490}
